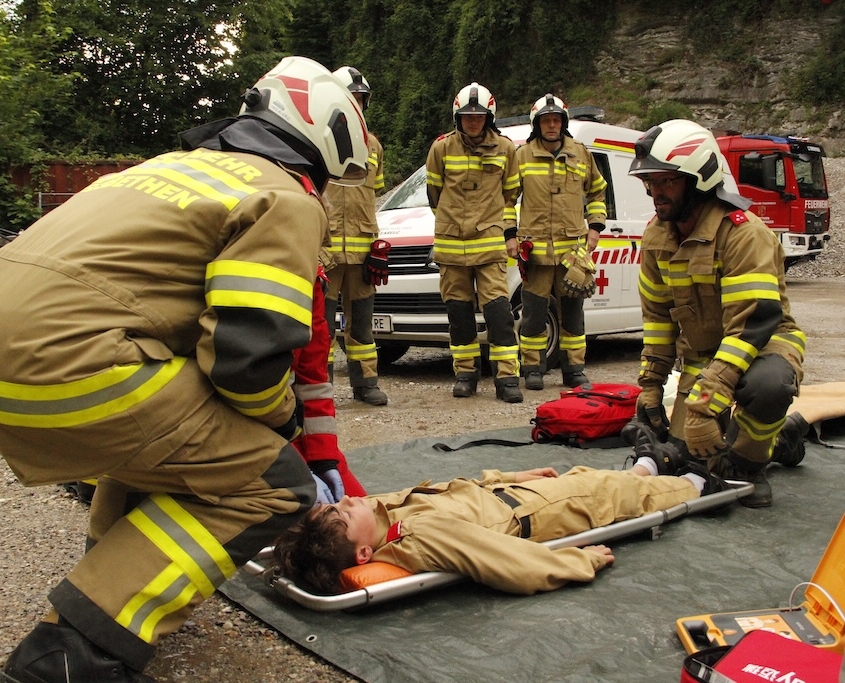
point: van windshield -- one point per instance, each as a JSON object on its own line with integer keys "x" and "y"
{"x": 411, "y": 194}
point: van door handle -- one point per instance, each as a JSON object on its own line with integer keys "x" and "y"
{"x": 616, "y": 229}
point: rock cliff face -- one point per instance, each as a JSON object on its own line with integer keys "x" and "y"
{"x": 749, "y": 93}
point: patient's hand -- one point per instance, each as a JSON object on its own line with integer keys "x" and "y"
{"x": 603, "y": 551}
{"x": 539, "y": 473}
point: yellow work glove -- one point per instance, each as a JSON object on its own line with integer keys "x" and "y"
{"x": 578, "y": 281}
{"x": 711, "y": 395}
{"x": 703, "y": 435}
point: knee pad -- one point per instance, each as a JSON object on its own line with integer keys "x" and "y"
{"x": 766, "y": 391}
{"x": 499, "y": 319}
{"x": 361, "y": 325}
{"x": 534, "y": 310}
{"x": 461, "y": 322}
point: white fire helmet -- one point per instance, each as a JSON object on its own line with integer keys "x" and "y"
{"x": 355, "y": 82}
{"x": 549, "y": 104}
{"x": 474, "y": 99}
{"x": 315, "y": 110}
{"x": 682, "y": 146}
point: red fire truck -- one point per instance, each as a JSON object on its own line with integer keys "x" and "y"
{"x": 784, "y": 178}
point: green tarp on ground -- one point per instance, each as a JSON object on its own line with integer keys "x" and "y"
{"x": 618, "y": 628}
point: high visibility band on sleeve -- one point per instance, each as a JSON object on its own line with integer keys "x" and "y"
{"x": 235, "y": 284}
{"x": 87, "y": 400}
{"x": 653, "y": 291}
{"x": 737, "y": 352}
{"x": 434, "y": 179}
{"x": 260, "y": 403}
{"x": 750, "y": 287}
{"x": 797, "y": 339}
{"x": 598, "y": 185}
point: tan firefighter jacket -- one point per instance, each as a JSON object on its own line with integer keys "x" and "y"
{"x": 720, "y": 293}
{"x": 557, "y": 192}
{"x": 201, "y": 253}
{"x": 472, "y": 191}
{"x": 352, "y": 212}
{"x": 462, "y": 526}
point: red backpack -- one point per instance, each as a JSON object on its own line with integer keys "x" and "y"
{"x": 586, "y": 417}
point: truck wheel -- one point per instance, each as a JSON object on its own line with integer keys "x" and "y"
{"x": 552, "y": 328}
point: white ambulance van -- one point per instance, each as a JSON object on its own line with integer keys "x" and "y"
{"x": 408, "y": 309}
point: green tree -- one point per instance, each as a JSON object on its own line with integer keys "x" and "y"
{"x": 28, "y": 90}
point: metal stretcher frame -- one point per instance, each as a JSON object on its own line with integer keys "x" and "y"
{"x": 408, "y": 585}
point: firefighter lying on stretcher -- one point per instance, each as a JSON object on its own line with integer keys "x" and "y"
{"x": 490, "y": 530}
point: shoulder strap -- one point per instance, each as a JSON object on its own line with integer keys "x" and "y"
{"x": 480, "y": 442}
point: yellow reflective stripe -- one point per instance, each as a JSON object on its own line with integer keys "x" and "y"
{"x": 465, "y": 350}
{"x": 579, "y": 169}
{"x": 432, "y": 178}
{"x": 147, "y": 608}
{"x": 737, "y": 352}
{"x": 511, "y": 182}
{"x": 196, "y": 555}
{"x": 694, "y": 366}
{"x": 717, "y": 403}
{"x": 598, "y": 185}
{"x": 533, "y": 343}
{"x": 596, "y": 207}
{"x": 260, "y": 403}
{"x": 372, "y": 159}
{"x": 758, "y": 431}
{"x": 239, "y": 284}
{"x": 752, "y": 286}
{"x": 478, "y": 246}
{"x": 360, "y": 352}
{"x": 462, "y": 163}
{"x": 351, "y": 244}
{"x": 504, "y": 352}
{"x": 796, "y": 339}
{"x": 572, "y": 343}
{"x": 653, "y": 291}
{"x": 86, "y": 400}
{"x": 659, "y": 334}
{"x": 509, "y": 214}
{"x": 208, "y": 181}
{"x": 534, "y": 168}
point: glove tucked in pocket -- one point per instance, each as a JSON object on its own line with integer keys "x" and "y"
{"x": 376, "y": 263}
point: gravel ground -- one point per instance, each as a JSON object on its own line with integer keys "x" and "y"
{"x": 44, "y": 528}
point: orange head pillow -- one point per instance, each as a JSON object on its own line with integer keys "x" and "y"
{"x": 369, "y": 574}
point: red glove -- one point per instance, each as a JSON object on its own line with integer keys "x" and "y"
{"x": 375, "y": 265}
{"x": 525, "y": 248}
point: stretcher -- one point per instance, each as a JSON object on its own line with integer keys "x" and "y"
{"x": 409, "y": 584}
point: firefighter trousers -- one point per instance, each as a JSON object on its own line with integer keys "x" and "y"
{"x": 346, "y": 281}
{"x": 459, "y": 288}
{"x": 533, "y": 335}
{"x": 217, "y": 486}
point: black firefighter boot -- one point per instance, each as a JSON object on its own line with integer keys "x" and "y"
{"x": 789, "y": 446}
{"x": 58, "y": 653}
{"x": 666, "y": 455}
{"x": 574, "y": 377}
{"x": 507, "y": 390}
{"x": 754, "y": 472}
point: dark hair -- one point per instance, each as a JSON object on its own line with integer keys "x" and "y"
{"x": 313, "y": 552}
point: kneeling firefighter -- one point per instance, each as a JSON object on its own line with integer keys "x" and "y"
{"x": 153, "y": 350}
{"x": 714, "y": 300}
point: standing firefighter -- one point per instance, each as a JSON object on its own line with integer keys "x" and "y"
{"x": 357, "y": 260}
{"x": 473, "y": 183}
{"x": 560, "y": 181}
{"x": 713, "y": 296}
{"x": 149, "y": 325}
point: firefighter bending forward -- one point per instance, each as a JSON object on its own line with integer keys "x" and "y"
{"x": 149, "y": 325}
{"x": 473, "y": 181}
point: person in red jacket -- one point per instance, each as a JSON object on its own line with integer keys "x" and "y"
{"x": 317, "y": 438}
